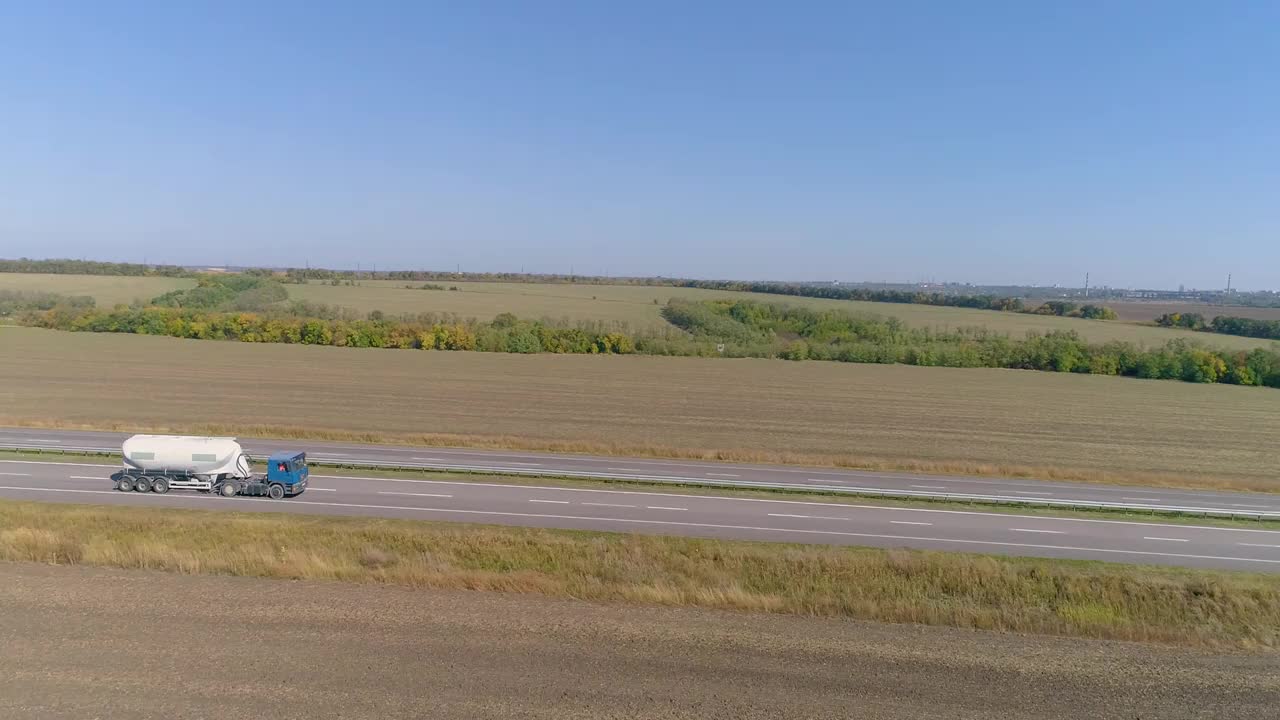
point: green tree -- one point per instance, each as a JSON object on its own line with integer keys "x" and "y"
{"x": 522, "y": 341}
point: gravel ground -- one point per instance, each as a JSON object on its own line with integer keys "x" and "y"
{"x": 94, "y": 643}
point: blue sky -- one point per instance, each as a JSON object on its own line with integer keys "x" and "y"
{"x": 993, "y": 142}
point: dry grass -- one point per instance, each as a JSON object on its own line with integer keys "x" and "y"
{"x": 1039, "y": 596}
{"x": 633, "y": 305}
{"x": 893, "y": 417}
{"x": 107, "y": 290}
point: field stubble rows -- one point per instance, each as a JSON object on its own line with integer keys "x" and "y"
{"x": 931, "y": 419}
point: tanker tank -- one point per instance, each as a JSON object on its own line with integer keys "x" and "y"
{"x": 211, "y": 457}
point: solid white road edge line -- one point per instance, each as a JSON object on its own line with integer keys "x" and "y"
{"x": 415, "y": 494}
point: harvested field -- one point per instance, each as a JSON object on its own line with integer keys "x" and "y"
{"x": 346, "y": 651}
{"x": 1145, "y": 312}
{"x": 107, "y": 290}
{"x": 933, "y": 419}
{"x": 633, "y": 305}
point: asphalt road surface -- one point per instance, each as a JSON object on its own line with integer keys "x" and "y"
{"x": 95, "y": 643}
{"x": 620, "y": 510}
{"x": 687, "y": 471}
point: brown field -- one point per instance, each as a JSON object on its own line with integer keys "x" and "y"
{"x": 303, "y": 650}
{"x": 934, "y": 419}
{"x": 1136, "y": 311}
{"x": 107, "y": 290}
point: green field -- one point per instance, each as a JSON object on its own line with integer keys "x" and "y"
{"x": 629, "y": 304}
{"x": 937, "y": 419}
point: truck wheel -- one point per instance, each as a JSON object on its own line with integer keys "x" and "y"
{"x": 228, "y": 489}
{"x": 142, "y": 484}
{"x": 275, "y": 492}
{"x": 124, "y": 484}
{"x": 161, "y": 485}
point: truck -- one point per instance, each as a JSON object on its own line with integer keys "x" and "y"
{"x": 160, "y": 463}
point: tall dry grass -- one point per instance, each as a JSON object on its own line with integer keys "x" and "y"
{"x": 1024, "y": 595}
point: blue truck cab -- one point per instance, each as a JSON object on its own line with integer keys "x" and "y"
{"x": 288, "y": 472}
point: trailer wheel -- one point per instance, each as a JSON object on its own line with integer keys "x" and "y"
{"x": 275, "y": 492}
{"x": 142, "y": 484}
{"x": 228, "y": 489}
{"x": 161, "y": 485}
{"x": 124, "y": 484}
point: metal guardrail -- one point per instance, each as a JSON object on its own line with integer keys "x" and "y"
{"x": 969, "y": 498}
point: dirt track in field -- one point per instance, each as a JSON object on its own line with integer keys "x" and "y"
{"x": 84, "y": 643}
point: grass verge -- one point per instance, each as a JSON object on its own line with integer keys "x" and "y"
{"x": 490, "y": 442}
{"x": 800, "y": 494}
{"x": 1082, "y": 599}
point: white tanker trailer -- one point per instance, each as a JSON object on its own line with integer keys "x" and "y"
{"x": 158, "y": 463}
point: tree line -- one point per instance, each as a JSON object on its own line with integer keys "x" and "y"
{"x": 15, "y": 301}
{"x": 746, "y": 328}
{"x": 226, "y": 293}
{"x": 90, "y": 267}
{"x": 499, "y": 335}
{"x": 1223, "y": 324}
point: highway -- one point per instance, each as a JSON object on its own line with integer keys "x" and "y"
{"x": 704, "y": 473}
{"x": 621, "y": 510}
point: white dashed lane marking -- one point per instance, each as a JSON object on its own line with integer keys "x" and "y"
{"x": 388, "y": 492}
